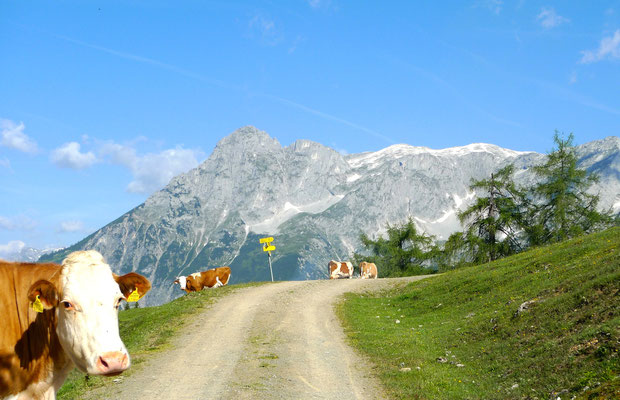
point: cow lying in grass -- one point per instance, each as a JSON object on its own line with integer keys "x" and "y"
{"x": 211, "y": 278}
{"x": 57, "y": 317}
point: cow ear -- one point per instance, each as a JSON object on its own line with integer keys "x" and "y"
{"x": 132, "y": 281}
{"x": 176, "y": 281}
{"x": 43, "y": 293}
{"x": 188, "y": 284}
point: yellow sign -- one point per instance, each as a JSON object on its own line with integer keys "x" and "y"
{"x": 266, "y": 240}
{"x": 37, "y": 305}
{"x": 134, "y": 296}
{"x": 269, "y": 248}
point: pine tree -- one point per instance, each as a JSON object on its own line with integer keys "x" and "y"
{"x": 561, "y": 208}
{"x": 454, "y": 253}
{"x": 403, "y": 252}
{"x": 492, "y": 222}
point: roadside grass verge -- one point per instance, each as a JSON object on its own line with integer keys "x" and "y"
{"x": 538, "y": 325}
{"x": 146, "y": 331}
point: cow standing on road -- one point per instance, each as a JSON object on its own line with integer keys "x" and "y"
{"x": 57, "y": 317}
{"x": 212, "y": 278}
{"x": 340, "y": 270}
{"x": 368, "y": 270}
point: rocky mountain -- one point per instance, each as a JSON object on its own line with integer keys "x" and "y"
{"x": 312, "y": 199}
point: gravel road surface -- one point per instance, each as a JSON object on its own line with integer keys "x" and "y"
{"x": 275, "y": 341}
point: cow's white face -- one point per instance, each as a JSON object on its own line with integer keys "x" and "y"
{"x": 183, "y": 282}
{"x": 88, "y": 315}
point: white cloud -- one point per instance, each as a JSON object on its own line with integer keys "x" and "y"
{"x": 549, "y": 19}
{"x": 266, "y": 30}
{"x": 118, "y": 153}
{"x": 154, "y": 171}
{"x": 609, "y": 48}
{"x": 151, "y": 171}
{"x": 495, "y": 6}
{"x": 14, "y": 246}
{"x": 13, "y": 136}
{"x": 71, "y": 226}
{"x": 69, "y": 156}
{"x": 314, "y": 3}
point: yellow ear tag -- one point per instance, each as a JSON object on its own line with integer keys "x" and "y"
{"x": 37, "y": 305}
{"x": 134, "y": 296}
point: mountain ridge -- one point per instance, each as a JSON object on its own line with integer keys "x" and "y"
{"x": 314, "y": 200}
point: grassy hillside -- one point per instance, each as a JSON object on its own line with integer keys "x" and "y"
{"x": 542, "y": 324}
{"x": 145, "y": 331}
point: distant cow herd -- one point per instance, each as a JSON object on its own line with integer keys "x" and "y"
{"x": 345, "y": 270}
{"x": 60, "y": 316}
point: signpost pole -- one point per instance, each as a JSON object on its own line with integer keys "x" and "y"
{"x": 270, "y": 270}
{"x": 268, "y": 247}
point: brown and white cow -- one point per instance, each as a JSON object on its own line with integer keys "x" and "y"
{"x": 340, "y": 269}
{"x": 76, "y": 324}
{"x": 212, "y": 278}
{"x": 368, "y": 270}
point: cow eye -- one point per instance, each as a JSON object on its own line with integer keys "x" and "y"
{"x": 67, "y": 305}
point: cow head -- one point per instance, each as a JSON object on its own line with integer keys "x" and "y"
{"x": 182, "y": 281}
{"x": 86, "y": 303}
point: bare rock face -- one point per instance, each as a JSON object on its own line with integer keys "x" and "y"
{"x": 312, "y": 199}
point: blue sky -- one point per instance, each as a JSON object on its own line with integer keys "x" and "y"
{"x": 102, "y": 102}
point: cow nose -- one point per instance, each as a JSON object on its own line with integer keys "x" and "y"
{"x": 112, "y": 363}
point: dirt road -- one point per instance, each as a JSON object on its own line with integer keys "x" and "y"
{"x": 276, "y": 341}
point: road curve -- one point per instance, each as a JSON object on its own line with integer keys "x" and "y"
{"x": 275, "y": 341}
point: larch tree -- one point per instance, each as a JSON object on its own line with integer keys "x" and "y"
{"x": 561, "y": 207}
{"x": 493, "y": 222}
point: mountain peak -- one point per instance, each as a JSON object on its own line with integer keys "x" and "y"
{"x": 307, "y": 147}
{"x": 248, "y": 138}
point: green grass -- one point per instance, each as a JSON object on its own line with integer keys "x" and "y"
{"x": 146, "y": 331}
{"x": 564, "y": 344}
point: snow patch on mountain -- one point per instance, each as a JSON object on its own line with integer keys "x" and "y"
{"x": 353, "y": 178}
{"x": 442, "y": 227}
{"x": 289, "y": 210}
{"x": 375, "y": 159}
{"x": 448, "y": 222}
{"x": 458, "y": 201}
